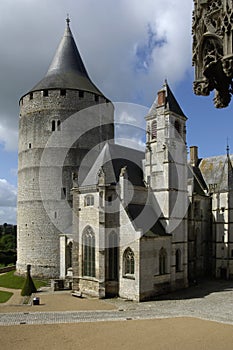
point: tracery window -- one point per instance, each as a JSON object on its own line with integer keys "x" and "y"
{"x": 88, "y": 253}
{"x": 128, "y": 262}
{"x": 154, "y": 130}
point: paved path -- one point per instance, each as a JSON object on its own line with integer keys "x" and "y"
{"x": 211, "y": 301}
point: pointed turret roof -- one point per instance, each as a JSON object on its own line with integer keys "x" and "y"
{"x": 170, "y": 102}
{"x": 67, "y": 70}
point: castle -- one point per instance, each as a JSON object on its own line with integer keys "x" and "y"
{"x": 107, "y": 220}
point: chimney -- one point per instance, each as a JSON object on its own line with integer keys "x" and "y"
{"x": 193, "y": 155}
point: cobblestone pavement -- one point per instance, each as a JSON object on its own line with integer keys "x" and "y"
{"x": 211, "y": 301}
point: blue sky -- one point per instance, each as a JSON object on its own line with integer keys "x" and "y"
{"x": 129, "y": 48}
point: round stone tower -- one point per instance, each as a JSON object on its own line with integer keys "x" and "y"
{"x": 64, "y": 93}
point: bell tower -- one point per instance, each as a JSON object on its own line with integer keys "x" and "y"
{"x": 166, "y": 168}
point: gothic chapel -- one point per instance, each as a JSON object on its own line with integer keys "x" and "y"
{"x": 106, "y": 220}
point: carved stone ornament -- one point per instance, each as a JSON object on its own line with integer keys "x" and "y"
{"x": 213, "y": 49}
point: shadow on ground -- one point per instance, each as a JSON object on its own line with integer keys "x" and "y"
{"x": 199, "y": 290}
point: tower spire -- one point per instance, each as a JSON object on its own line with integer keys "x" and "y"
{"x": 68, "y": 19}
{"x": 228, "y": 148}
{"x": 67, "y": 70}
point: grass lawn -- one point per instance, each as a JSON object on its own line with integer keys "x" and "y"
{"x": 9, "y": 280}
{"x": 5, "y": 296}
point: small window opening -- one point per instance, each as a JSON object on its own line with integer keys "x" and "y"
{"x": 58, "y": 125}
{"x": 89, "y": 201}
{"x": 29, "y": 145}
{"x": 55, "y": 215}
{"x": 31, "y": 95}
{"x": 177, "y": 126}
{"x": 63, "y": 193}
{"x": 63, "y": 92}
{"x": 96, "y": 98}
{"x": 81, "y": 94}
{"x": 53, "y": 125}
{"x": 45, "y": 93}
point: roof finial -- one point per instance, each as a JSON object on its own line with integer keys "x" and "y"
{"x": 228, "y": 148}
{"x": 68, "y": 19}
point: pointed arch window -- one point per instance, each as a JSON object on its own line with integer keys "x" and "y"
{"x": 128, "y": 262}
{"x": 69, "y": 254}
{"x": 88, "y": 252}
{"x": 162, "y": 261}
{"x": 154, "y": 130}
{"x": 113, "y": 257}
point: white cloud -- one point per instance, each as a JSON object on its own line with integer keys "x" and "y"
{"x": 9, "y": 138}
{"x": 129, "y": 47}
{"x": 8, "y": 215}
{"x": 8, "y": 194}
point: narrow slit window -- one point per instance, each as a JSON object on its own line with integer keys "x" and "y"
{"x": 63, "y": 193}
{"x": 53, "y": 125}
{"x": 45, "y": 93}
{"x": 31, "y": 95}
{"x": 96, "y": 98}
{"x": 58, "y": 125}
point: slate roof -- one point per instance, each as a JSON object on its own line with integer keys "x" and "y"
{"x": 217, "y": 171}
{"x": 145, "y": 218}
{"x": 112, "y": 159}
{"x": 171, "y": 103}
{"x": 67, "y": 70}
{"x": 195, "y": 177}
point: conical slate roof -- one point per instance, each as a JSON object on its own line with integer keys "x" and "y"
{"x": 171, "y": 103}
{"x": 67, "y": 70}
